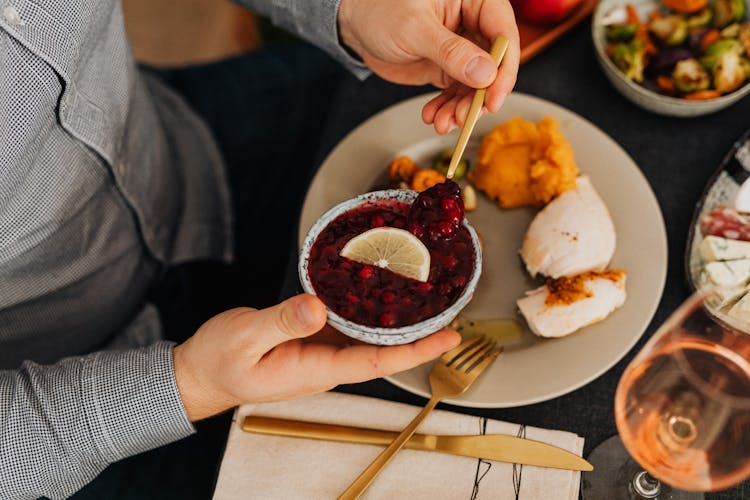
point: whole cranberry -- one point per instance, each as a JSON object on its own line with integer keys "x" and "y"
{"x": 387, "y": 319}
{"x": 366, "y": 272}
{"x": 450, "y": 261}
{"x": 377, "y": 221}
{"x": 387, "y": 297}
{"x": 438, "y": 211}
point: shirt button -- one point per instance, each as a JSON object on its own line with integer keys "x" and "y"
{"x": 11, "y": 16}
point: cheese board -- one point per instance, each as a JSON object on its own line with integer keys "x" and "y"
{"x": 718, "y": 246}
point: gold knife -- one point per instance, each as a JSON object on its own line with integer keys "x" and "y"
{"x": 499, "y": 447}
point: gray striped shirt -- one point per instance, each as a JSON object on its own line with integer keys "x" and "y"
{"x": 105, "y": 176}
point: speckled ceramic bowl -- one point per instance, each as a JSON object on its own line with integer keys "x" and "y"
{"x": 380, "y": 335}
{"x": 643, "y": 97}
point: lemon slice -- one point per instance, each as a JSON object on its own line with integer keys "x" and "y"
{"x": 390, "y": 248}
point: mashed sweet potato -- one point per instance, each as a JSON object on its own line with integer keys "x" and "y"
{"x": 522, "y": 163}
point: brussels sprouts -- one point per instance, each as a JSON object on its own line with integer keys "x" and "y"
{"x": 744, "y": 37}
{"x": 728, "y": 11}
{"x": 443, "y": 160}
{"x": 630, "y": 58}
{"x": 730, "y": 72}
{"x": 717, "y": 49}
{"x": 731, "y": 31}
{"x": 690, "y": 76}
{"x": 671, "y": 30}
{"x": 700, "y": 19}
{"x": 621, "y": 32}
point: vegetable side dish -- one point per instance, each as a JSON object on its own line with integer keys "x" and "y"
{"x": 689, "y": 49}
{"x": 522, "y": 163}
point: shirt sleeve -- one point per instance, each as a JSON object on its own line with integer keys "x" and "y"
{"x": 61, "y": 425}
{"x": 315, "y": 21}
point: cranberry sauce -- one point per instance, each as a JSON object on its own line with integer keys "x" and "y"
{"x": 437, "y": 212}
{"x": 372, "y": 296}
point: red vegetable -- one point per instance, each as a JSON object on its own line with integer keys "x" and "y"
{"x": 685, "y": 5}
{"x": 702, "y": 95}
{"x": 665, "y": 83}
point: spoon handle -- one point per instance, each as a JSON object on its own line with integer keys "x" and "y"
{"x": 499, "y": 45}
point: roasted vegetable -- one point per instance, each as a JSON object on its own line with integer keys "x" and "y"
{"x": 469, "y": 197}
{"x": 718, "y": 49}
{"x": 665, "y": 84}
{"x": 664, "y": 61}
{"x": 426, "y": 178}
{"x": 443, "y": 160}
{"x": 727, "y": 11}
{"x": 621, "y": 32}
{"x": 630, "y": 58}
{"x": 695, "y": 35}
{"x": 700, "y": 19}
{"x": 709, "y": 38}
{"x": 744, "y": 37}
{"x": 402, "y": 169}
{"x": 731, "y": 31}
{"x": 671, "y": 30}
{"x": 702, "y": 95}
{"x": 696, "y": 50}
{"x": 690, "y": 76}
{"x": 731, "y": 71}
{"x": 685, "y": 5}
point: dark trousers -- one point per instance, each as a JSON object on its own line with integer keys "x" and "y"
{"x": 266, "y": 110}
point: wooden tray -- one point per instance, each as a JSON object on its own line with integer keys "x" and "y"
{"x": 536, "y": 37}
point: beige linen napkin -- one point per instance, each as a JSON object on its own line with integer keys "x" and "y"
{"x": 269, "y": 467}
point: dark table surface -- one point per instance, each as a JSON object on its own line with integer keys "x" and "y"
{"x": 677, "y": 156}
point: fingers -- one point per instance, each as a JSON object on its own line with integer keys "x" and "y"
{"x": 449, "y": 109}
{"x": 461, "y": 59}
{"x": 492, "y": 18}
{"x": 297, "y": 317}
{"x": 489, "y": 19}
{"x": 431, "y": 108}
{"x": 366, "y": 362}
{"x": 506, "y": 80}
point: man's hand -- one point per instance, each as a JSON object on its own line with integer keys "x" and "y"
{"x": 442, "y": 42}
{"x": 245, "y": 355}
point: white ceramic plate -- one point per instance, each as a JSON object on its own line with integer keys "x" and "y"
{"x": 532, "y": 369}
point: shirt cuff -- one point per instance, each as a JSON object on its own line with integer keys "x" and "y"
{"x": 135, "y": 404}
{"x": 340, "y": 52}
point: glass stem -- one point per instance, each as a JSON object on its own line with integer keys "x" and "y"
{"x": 646, "y": 485}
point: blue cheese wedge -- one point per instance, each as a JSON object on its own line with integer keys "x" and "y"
{"x": 742, "y": 201}
{"x": 714, "y": 248}
{"x": 729, "y": 273}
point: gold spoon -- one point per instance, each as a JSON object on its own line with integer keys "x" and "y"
{"x": 497, "y": 51}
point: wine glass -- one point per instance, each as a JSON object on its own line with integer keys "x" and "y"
{"x": 682, "y": 409}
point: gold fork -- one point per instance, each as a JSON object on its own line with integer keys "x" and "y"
{"x": 452, "y": 374}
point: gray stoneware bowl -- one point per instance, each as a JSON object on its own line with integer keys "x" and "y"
{"x": 380, "y": 335}
{"x": 643, "y": 97}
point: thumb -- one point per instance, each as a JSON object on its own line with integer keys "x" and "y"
{"x": 297, "y": 317}
{"x": 458, "y": 57}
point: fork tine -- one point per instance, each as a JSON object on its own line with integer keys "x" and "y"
{"x": 482, "y": 363}
{"x": 461, "y": 349}
{"x": 480, "y": 351}
{"x": 469, "y": 352}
